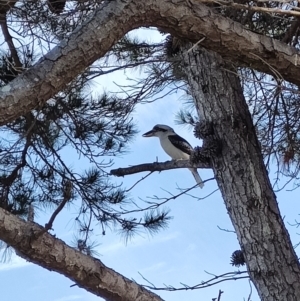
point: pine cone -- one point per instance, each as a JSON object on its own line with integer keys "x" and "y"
{"x": 237, "y": 258}
{"x": 203, "y": 129}
{"x": 56, "y": 6}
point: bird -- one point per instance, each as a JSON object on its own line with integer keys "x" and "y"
{"x": 175, "y": 146}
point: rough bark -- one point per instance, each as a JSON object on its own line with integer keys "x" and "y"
{"x": 35, "y": 245}
{"x": 243, "y": 180}
{"x": 187, "y": 19}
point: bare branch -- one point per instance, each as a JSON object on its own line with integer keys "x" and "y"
{"x": 163, "y": 200}
{"x": 226, "y": 230}
{"x": 250, "y": 293}
{"x": 219, "y": 296}
{"x": 156, "y": 166}
{"x": 141, "y": 179}
{"x": 204, "y": 284}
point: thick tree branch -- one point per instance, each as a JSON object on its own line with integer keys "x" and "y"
{"x": 53, "y": 254}
{"x": 187, "y": 19}
{"x": 156, "y": 166}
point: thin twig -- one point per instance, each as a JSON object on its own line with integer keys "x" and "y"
{"x": 226, "y": 230}
{"x": 219, "y": 296}
{"x": 143, "y": 178}
{"x": 196, "y": 44}
{"x": 250, "y": 294}
{"x": 204, "y": 284}
{"x": 155, "y": 205}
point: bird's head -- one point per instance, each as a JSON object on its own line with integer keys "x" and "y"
{"x": 159, "y": 130}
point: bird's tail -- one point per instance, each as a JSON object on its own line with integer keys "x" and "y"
{"x": 197, "y": 177}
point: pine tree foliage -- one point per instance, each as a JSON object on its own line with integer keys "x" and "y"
{"x": 34, "y": 148}
{"x": 33, "y": 169}
{"x": 33, "y": 165}
{"x": 275, "y": 110}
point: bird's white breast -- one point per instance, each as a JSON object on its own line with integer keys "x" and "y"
{"x": 174, "y": 152}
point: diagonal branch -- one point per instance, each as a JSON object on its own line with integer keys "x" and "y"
{"x": 186, "y": 19}
{"x": 156, "y": 166}
{"x": 53, "y": 254}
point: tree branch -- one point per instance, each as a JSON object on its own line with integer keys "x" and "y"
{"x": 204, "y": 284}
{"x": 219, "y": 295}
{"x": 9, "y": 40}
{"x": 48, "y": 226}
{"x": 156, "y": 166}
{"x": 53, "y": 254}
{"x": 113, "y": 19}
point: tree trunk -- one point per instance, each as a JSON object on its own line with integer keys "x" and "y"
{"x": 242, "y": 177}
{"x": 35, "y": 245}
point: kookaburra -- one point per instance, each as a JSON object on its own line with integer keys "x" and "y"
{"x": 174, "y": 145}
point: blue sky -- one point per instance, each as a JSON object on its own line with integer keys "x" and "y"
{"x": 191, "y": 245}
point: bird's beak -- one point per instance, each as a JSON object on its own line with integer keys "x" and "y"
{"x": 149, "y": 134}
